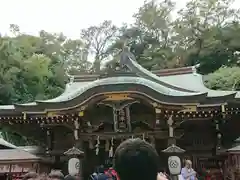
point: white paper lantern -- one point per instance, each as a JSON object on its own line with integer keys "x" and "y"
{"x": 73, "y": 166}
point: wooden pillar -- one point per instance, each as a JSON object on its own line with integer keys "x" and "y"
{"x": 115, "y": 118}
{"x": 49, "y": 139}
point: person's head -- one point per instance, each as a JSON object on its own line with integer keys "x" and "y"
{"x": 101, "y": 169}
{"x": 70, "y": 177}
{"x": 161, "y": 176}
{"x": 188, "y": 164}
{"x": 56, "y": 175}
{"x": 43, "y": 176}
{"x": 136, "y": 159}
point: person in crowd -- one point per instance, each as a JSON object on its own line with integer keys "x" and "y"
{"x": 188, "y": 172}
{"x": 110, "y": 172}
{"x": 70, "y": 177}
{"x": 164, "y": 171}
{"x": 43, "y": 176}
{"x": 161, "y": 176}
{"x": 99, "y": 174}
{"x": 56, "y": 175}
{"x": 136, "y": 159}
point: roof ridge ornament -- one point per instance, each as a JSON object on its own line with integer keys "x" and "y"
{"x": 194, "y": 68}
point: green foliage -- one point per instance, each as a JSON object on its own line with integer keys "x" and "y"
{"x": 226, "y": 78}
{"x": 205, "y": 32}
{"x": 26, "y": 75}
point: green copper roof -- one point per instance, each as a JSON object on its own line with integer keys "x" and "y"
{"x": 77, "y": 89}
{"x": 194, "y": 82}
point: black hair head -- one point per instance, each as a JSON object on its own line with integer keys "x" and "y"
{"x": 136, "y": 159}
{"x": 70, "y": 177}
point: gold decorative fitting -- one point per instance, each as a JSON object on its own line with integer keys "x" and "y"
{"x": 51, "y": 114}
{"x": 81, "y": 113}
{"x": 189, "y": 108}
{"x": 117, "y": 97}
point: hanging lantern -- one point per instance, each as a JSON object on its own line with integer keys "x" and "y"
{"x": 73, "y": 166}
{"x": 111, "y": 149}
{"x": 97, "y": 145}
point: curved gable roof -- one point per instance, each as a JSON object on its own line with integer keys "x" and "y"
{"x": 169, "y": 84}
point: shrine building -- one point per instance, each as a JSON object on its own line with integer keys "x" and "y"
{"x": 172, "y": 109}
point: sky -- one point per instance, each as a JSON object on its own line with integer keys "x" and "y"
{"x": 67, "y": 16}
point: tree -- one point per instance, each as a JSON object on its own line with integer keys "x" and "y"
{"x": 199, "y": 31}
{"x": 97, "y": 39}
{"x": 205, "y": 32}
{"x": 75, "y": 54}
{"x": 226, "y": 78}
{"x": 150, "y": 38}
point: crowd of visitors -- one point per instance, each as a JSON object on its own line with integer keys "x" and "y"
{"x": 134, "y": 159}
